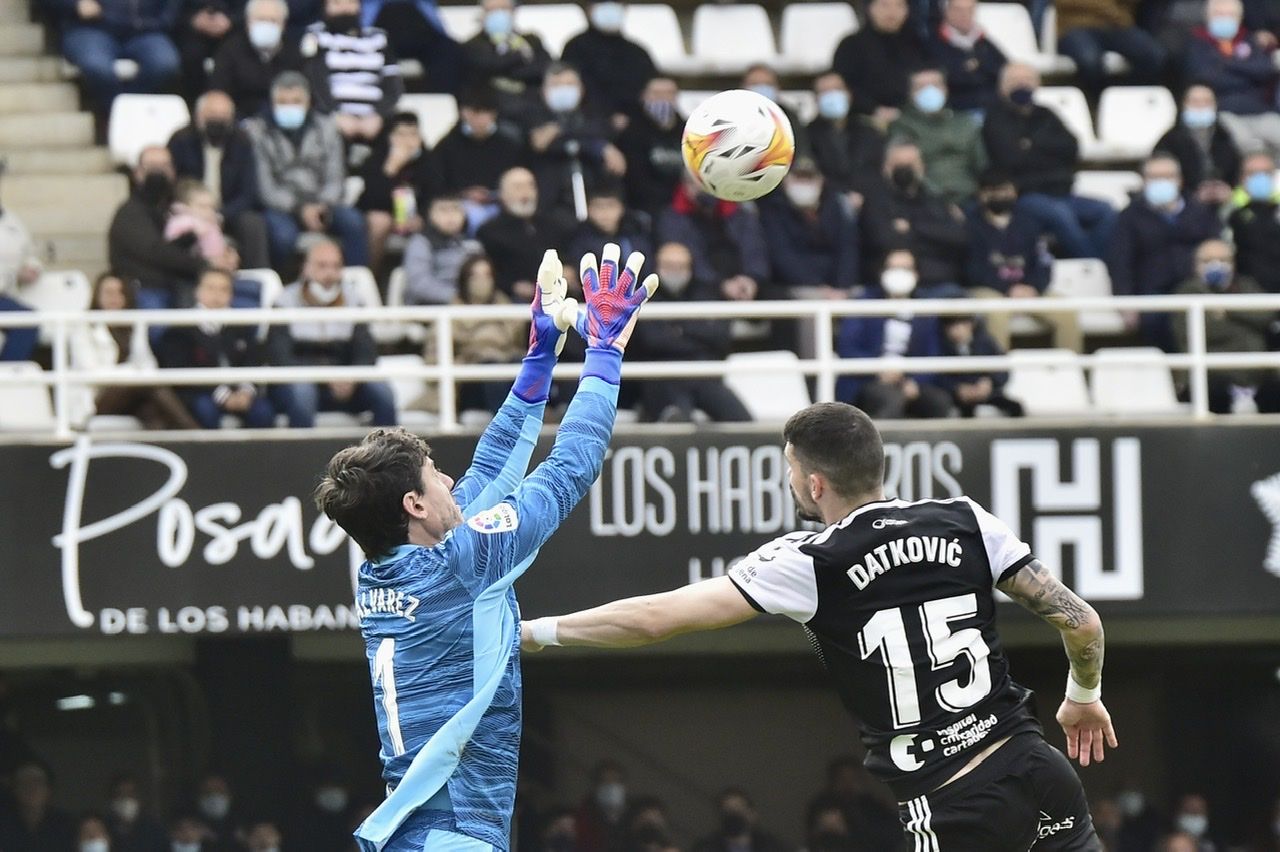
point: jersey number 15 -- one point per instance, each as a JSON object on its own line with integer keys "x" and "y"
{"x": 886, "y": 633}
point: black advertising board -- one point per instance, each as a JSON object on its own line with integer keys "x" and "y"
{"x": 107, "y": 537}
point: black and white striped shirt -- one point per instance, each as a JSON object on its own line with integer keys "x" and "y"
{"x": 355, "y": 74}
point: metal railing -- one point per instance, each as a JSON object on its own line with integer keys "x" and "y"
{"x": 826, "y": 366}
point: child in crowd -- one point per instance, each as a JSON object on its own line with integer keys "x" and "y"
{"x": 195, "y": 214}
{"x": 434, "y": 257}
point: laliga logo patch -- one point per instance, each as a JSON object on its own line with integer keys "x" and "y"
{"x": 501, "y": 518}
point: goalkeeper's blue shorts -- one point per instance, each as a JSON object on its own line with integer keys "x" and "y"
{"x": 450, "y": 841}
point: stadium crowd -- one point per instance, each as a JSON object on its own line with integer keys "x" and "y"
{"x": 852, "y": 813}
{"x": 929, "y": 170}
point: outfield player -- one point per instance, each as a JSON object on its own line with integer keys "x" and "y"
{"x": 437, "y": 609}
{"x": 898, "y": 599}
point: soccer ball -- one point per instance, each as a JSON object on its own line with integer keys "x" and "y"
{"x": 738, "y": 145}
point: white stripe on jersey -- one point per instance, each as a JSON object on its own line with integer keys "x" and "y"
{"x": 919, "y": 826}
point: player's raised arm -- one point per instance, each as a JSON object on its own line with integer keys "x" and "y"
{"x": 709, "y": 605}
{"x": 1083, "y": 717}
{"x": 502, "y": 455}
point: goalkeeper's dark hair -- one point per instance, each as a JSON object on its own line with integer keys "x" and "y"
{"x": 363, "y": 488}
{"x": 840, "y": 442}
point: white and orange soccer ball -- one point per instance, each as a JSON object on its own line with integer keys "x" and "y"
{"x": 738, "y": 145}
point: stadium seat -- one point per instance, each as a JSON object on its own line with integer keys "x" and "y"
{"x": 727, "y": 39}
{"x": 1113, "y": 62}
{"x": 688, "y": 99}
{"x": 810, "y": 34}
{"x": 774, "y": 389}
{"x": 656, "y": 26}
{"x": 386, "y": 331}
{"x": 407, "y": 389}
{"x": 1046, "y": 388}
{"x": 57, "y": 290}
{"x": 1131, "y": 120}
{"x": 1112, "y": 187}
{"x": 24, "y": 407}
{"x": 1087, "y": 278}
{"x": 396, "y": 285}
{"x": 1070, "y": 105}
{"x": 461, "y": 22}
{"x": 437, "y": 114}
{"x": 553, "y": 23}
{"x": 1123, "y": 387}
{"x": 802, "y": 102}
{"x": 269, "y": 288}
{"x": 1008, "y": 25}
{"x": 140, "y": 120}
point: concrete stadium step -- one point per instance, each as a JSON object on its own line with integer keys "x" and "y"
{"x": 39, "y": 97}
{"x": 21, "y": 39}
{"x": 38, "y": 130}
{"x": 30, "y": 69}
{"x": 55, "y": 161}
{"x": 70, "y": 250}
{"x": 15, "y": 10}
{"x": 65, "y": 204}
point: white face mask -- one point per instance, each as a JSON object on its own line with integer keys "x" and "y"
{"x": 265, "y": 35}
{"x": 1131, "y": 802}
{"x": 607, "y": 17}
{"x": 803, "y": 193}
{"x": 331, "y": 799}
{"x": 95, "y": 846}
{"x": 1193, "y": 824}
{"x": 611, "y": 796}
{"x": 676, "y": 283}
{"x": 325, "y": 294}
{"x": 185, "y": 847}
{"x": 898, "y": 282}
{"x": 216, "y": 805}
{"x": 523, "y": 208}
{"x": 126, "y": 809}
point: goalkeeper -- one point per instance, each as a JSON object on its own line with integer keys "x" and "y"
{"x": 437, "y": 609}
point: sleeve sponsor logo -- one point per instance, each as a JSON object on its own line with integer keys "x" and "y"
{"x": 501, "y": 518}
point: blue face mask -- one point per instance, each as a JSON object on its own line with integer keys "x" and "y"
{"x": 930, "y": 99}
{"x": 1160, "y": 192}
{"x": 1223, "y": 28}
{"x": 498, "y": 22}
{"x": 833, "y": 104}
{"x": 768, "y": 90}
{"x": 607, "y": 17}
{"x": 1217, "y": 274}
{"x": 289, "y": 116}
{"x": 1261, "y": 186}
{"x": 1199, "y": 118}
{"x": 563, "y": 98}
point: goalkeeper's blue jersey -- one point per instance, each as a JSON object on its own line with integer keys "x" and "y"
{"x": 441, "y": 629}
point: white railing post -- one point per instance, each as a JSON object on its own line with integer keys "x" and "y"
{"x": 825, "y": 349}
{"x": 61, "y": 407}
{"x": 1196, "y": 343}
{"x": 448, "y": 387}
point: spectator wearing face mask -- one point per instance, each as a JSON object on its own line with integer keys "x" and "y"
{"x": 894, "y": 392}
{"x": 848, "y": 146}
{"x": 166, "y": 272}
{"x": 92, "y": 835}
{"x": 1006, "y": 260}
{"x": 1192, "y": 817}
{"x": 1255, "y": 222}
{"x": 326, "y": 343}
{"x": 970, "y": 61}
{"x": 323, "y": 824}
{"x": 353, "y": 71}
{"x": 1032, "y": 145}
{"x": 215, "y": 803}
{"x": 614, "y": 69}
{"x": 35, "y": 824}
{"x": 726, "y": 239}
{"x": 1225, "y": 331}
{"x": 1155, "y": 243}
{"x": 516, "y": 238}
{"x": 739, "y": 829}
{"x": 263, "y": 836}
{"x": 187, "y": 833}
{"x": 689, "y": 339}
{"x": 647, "y": 826}
{"x": 214, "y": 151}
{"x": 1179, "y": 841}
{"x": 398, "y": 184}
{"x": 568, "y": 145}
{"x": 1206, "y": 152}
{"x": 651, "y": 148}
{"x": 950, "y": 143}
{"x": 255, "y": 54}
{"x": 131, "y": 827}
{"x": 762, "y": 79}
{"x": 599, "y": 817}
{"x": 1140, "y": 823}
{"x": 434, "y": 257}
{"x": 876, "y": 61}
{"x": 512, "y": 64}
{"x": 559, "y": 831}
{"x": 475, "y": 154}
{"x": 812, "y": 234}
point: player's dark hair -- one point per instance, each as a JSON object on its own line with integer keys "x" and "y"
{"x": 363, "y": 488}
{"x": 840, "y": 442}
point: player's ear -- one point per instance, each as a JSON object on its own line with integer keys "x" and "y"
{"x": 413, "y": 504}
{"x": 817, "y": 486}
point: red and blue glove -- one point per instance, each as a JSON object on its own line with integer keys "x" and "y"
{"x": 552, "y": 314}
{"x": 613, "y": 304}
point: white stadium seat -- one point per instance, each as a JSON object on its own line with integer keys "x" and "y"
{"x": 269, "y": 288}
{"x": 57, "y": 290}
{"x": 656, "y": 27}
{"x": 1112, "y": 187}
{"x": 553, "y": 23}
{"x": 688, "y": 99}
{"x": 396, "y": 286}
{"x": 1087, "y": 278}
{"x": 803, "y": 103}
{"x": 1070, "y": 105}
{"x": 366, "y": 287}
{"x": 407, "y": 389}
{"x": 461, "y": 22}
{"x": 727, "y": 39}
{"x": 1113, "y": 62}
{"x": 1123, "y": 387}
{"x": 810, "y": 34}
{"x": 773, "y": 389}
{"x": 140, "y": 120}
{"x": 437, "y": 114}
{"x": 1045, "y": 388}
{"x": 1008, "y": 25}
{"x": 24, "y": 407}
{"x": 1131, "y": 119}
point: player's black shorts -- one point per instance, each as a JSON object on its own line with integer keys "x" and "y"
{"x": 1025, "y": 794}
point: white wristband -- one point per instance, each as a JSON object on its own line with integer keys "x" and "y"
{"x": 544, "y": 631}
{"x": 1080, "y": 694}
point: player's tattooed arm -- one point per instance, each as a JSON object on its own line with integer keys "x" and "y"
{"x": 1042, "y": 593}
